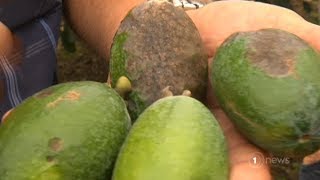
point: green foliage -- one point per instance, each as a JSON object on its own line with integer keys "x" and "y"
{"x": 68, "y": 38}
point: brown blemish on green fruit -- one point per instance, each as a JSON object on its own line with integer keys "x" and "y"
{"x": 284, "y": 103}
{"x": 55, "y": 144}
{"x": 45, "y": 93}
{"x": 291, "y": 68}
{"x": 51, "y": 159}
{"x": 273, "y": 51}
{"x": 70, "y": 96}
{"x": 150, "y": 50}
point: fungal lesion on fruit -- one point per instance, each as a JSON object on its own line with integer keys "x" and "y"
{"x": 55, "y": 144}
{"x": 51, "y": 159}
{"x": 70, "y": 96}
{"x": 291, "y": 68}
{"x": 45, "y": 93}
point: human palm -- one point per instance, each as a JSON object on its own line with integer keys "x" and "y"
{"x": 218, "y": 20}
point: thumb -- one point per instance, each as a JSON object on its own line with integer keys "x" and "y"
{"x": 4, "y": 117}
{"x": 312, "y": 35}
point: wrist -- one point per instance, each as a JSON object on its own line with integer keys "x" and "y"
{"x": 120, "y": 11}
{"x": 97, "y": 21}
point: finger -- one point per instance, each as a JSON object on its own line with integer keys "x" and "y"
{"x": 312, "y": 35}
{"x": 4, "y": 117}
{"x": 312, "y": 158}
{"x": 242, "y": 152}
{"x": 6, "y": 40}
{"x": 303, "y": 29}
{"x": 233, "y": 136}
{"x": 219, "y": 20}
{"x": 211, "y": 99}
{"x": 248, "y": 172}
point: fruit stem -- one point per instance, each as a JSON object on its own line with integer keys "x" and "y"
{"x": 123, "y": 86}
{"x": 109, "y": 80}
{"x": 186, "y": 93}
{"x": 166, "y": 92}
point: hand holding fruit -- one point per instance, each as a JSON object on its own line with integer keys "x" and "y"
{"x": 219, "y": 20}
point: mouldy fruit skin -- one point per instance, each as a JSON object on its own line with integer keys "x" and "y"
{"x": 268, "y": 83}
{"x": 156, "y": 46}
{"x": 65, "y": 132}
{"x": 176, "y": 138}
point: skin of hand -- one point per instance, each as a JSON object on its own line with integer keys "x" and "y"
{"x": 218, "y": 20}
{"x": 6, "y": 40}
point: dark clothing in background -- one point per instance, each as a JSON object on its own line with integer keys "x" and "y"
{"x": 35, "y": 24}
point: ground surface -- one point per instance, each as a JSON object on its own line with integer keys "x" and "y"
{"x": 83, "y": 64}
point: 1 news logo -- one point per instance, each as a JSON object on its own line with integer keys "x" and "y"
{"x": 258, "y": 159}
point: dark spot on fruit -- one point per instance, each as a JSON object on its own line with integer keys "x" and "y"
{"x": 44, "y": 93}
{"x": 70, "y": 96}
{"x": 274, "y": 51}
{"x": 55, "y": 144}
{"x": 50, "y": 159}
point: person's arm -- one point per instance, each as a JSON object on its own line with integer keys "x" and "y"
{"x": 6, "y": 40}
{"x": 97, "y": 21}
{"x": 7, "y": 47}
